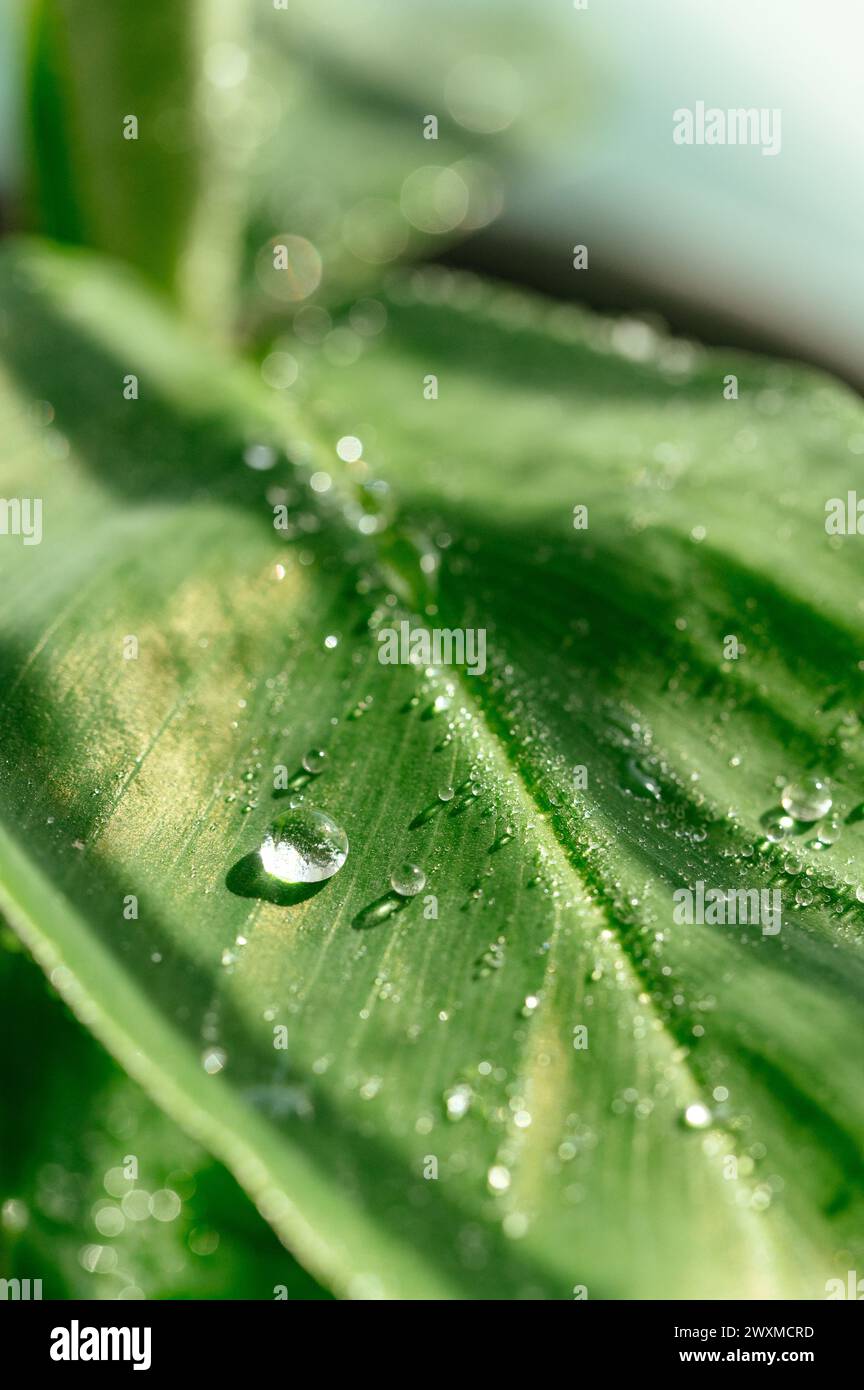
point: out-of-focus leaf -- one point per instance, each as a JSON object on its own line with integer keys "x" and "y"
{"x": 73, "y": 1129}
{"x": 126, "y": 103}
{"x": 434, "y": 1127}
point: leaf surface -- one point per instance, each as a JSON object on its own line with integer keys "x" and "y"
{"x": 707, "y": 1140}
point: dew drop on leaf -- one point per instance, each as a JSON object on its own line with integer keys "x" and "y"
{"x": 808, "y": 799}
{"x": 260, "y": 457}
{"x": 828, "y": 833}
{"x": 697, "y": 1116}
{"x": 640, "y": 780}
{"x": 304, "y": 846}
{"x": 498, "y": 1178}
{"x": 457, "y": 1101}
{"x": 314, "y": 761}
{"x": 408, "y": 880}
{"x": 213, "y": 1060}
{"x": 777, "y": 825}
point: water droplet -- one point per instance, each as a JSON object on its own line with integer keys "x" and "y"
{"x": 777, "y": 825}
{"x": 314, "y": 760}
{"x": 498, "y": 1178}
{"x": 640, "y": 780}
{"x": 457, "y": 1101}
{"x": 349, "y": 448}
{"x": 14, "y": 1215}
{"x": 408, "y": 880}
{"x": 304, "y": 846}
{"x": 829, "y": 831}
{"x": 213, "y": 1060}
{"x": 165, "y": 1205}
{"x": 809, "y": 799}
{"x": 697, "y": 1116}
{"x": 378, "y": 911}
{"x": 260, "y": 457}
{"x": 445, "y": 793}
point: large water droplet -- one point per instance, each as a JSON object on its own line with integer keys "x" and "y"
{"x": 809, "y": 799}
{"x": 304, "y": 846}
{"x": 408, "y": 880}
{"x": 640, "y": 780}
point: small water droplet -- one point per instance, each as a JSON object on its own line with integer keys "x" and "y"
{"x": 304, "y": 846}
{"x": 378, "y": 911}
{"x": 829, "y": 831}
{"x": 808, "y": 799}
{"x": 498, "y": 1178}
{"x": 446, "y": 793}
{"x": 697, "y": 1116}
{"x": 14, "y": 1215}
{"x": 777, "y": 825}
{"x": 408, "y": 880}
{"x": 314, "y": 760}
{"x": 260, "y": 457}
{"x": 213, "y": 1060}
{"x": 457, "y": 1101}
{"x": 349, "y": 448}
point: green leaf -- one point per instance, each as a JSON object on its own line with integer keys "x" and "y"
{"x": 123, "y": 115}
{"x": 559, "y": 1166}
{"x": 66, "y": 1179}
